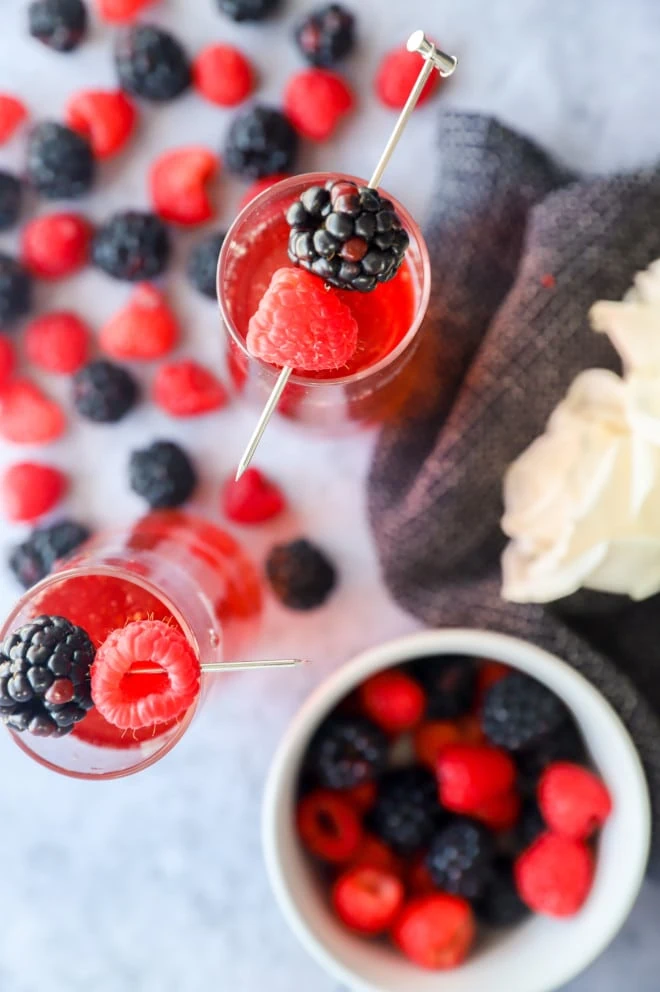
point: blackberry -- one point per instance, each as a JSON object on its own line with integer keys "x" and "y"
{"x": 500, "y": 905}
{"x": 406, "y": 810}
{"x": 59, "y": 24}
{"x": 132, "y": 245}
{"x": 10, "y": 200}
{"x": 60, "y": 164}
{"x": 529, "y": 827}
{"x": 300, "y": 575}
{"x": 346, "y": 751}
{"x": 450, "y": 683}
{"x": 326, "y": 35}
{"x": 261, "y": 141}
{"x": 34, "y": 558}
{"x": 151, "y": 63}
{"x": 44, "y": 676}
{"x": 162, "y": 474}
{"x": 15, "y": 290}
{"x": 104, "y": 392}
{"x": 564, "y": 744}
{"x": 248, "y": 10}
{"x": 203, "y": 263}
{"x": 460, "y": 858}
{"x": 518, "y": 713}
{"x": 349, "y": 235}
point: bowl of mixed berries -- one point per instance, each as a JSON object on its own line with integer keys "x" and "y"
{"x": 456, "y": 810}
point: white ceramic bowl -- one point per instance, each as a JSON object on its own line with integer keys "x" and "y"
{"x": 538, "y": 956}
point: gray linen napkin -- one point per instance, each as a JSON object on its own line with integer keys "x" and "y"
{"x": 520, "y": 250}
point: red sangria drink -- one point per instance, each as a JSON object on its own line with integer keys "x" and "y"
{"x": 101, "y": 662}
{"x": 364, "y": 249}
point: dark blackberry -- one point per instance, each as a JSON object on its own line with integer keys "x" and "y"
{"x": 450, "y": 684}
{"x": 518, "y": 713}
{"x": 248, "y": 10}
{"x": 132, "y": 245}
{"x": 563, "y": 744}
{"x": 261, "y": 141}
{"x": 500, "y": 905}
{"x": 10, "y": 200}
{"x": 203, "y": 263}
{"x": 300, "y": 575}
{"x": 59, "y": 24}
{"x": 460, "y": 858}
{"x": 348, "y": 235}
{"x": 326, "y": 35}
{"x": 151, "y": 63}
{"x": 162, "y": 474}
{"x": 60, "y": 164}
{"x": 406, "y": 810}
{"x": 104, "y": 392}
{"x": 529, "y": 827}
{"x": 15, "y": 290}
{"x": 34, "y": 557}
{"x": 44, "y": 676}
{"x": 346, "y": 751}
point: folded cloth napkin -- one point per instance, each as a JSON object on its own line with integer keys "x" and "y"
{"x": 520, "y": 250}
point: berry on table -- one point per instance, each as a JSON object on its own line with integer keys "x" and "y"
{"x": 15, "y": 290}
{"x": 460, "y": 858}
{"x": 44, "y": 676}
{"x": 300, "y": 575}
{"x": 12, "y": 114}
{"x": 106, "y": 118}
{"x": 326, "y": 35}
{"x": 406, "y": 810}
{"x": 260, "y": 186}
{"x": 178, "y": 184}
{"x": 202, "y": 264}
{"x": 11, "y": 196}
{"x": 392, "y": 700}
{"x": 223, "y": 75}
{"x": 500, "y": 905}
{"x": 162, "y": 474}
{"x": 33, "y": 559}
{"x": 248, "y": 10}
{"x": 104, "y": 392}
{"x": 60, "y": 164}
{"x": 121, "y": 11}
{"x": 29, "y": 490}
{"x": 59, "y": 24}
{"x": 469, "y": 776}
{"x": 7, "y": 360}
{"x": 435, "y": 931}
{"x": 346, "y": 752}
{"x": 328, "y": 826}
{"x": 55, "y": 245}
{"x": 132, "y": 245}
{"x": 396, "y": 76}
{"x": 367, "y": 899}
{"x": 573, "y": 800}
{"x": 187, "y": 389}
{"x": 563, "y": 744}
{"x": 519, "y": 713}
{"x": 315, "y": 101}
{"x": 252, "y": 499}
{"x": 151, "y": 63}
{"x": 57, "y": 342}
{"x": 144, "y": 329}
{"x": 261, "y": 142}
{"x": 27, "y": 415}
{"x": 554, "y": 876}
{"x": 449, "y": 682}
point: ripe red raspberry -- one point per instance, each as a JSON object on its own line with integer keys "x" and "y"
{"x": 301, "y": 324}
{"x": 554, "y": 876}
{"x": 252, "y": 499}
{"x": 315, "y": 100}
{"x": 362, "y": 796}
{"x": 260, "y": 186}
{"x": 393, "y": 700}
{"x": 418, "y": 878}
{"x": 177, "y": 181}
{"x": 28, "y": 416}
{"x": 121, "y": 11}
{"x": 470, "y": 775}
{"x": 57, "y": 342}
{"x": 374, "y": 853}
{"x": 435, "y": 931}
{"x": 55, "y": 245}
{"x": 29, "y": 490}
{"x": 367, "y": 899}
{"x": 574, "y": 802}
{"x": 223, "y": 75}
{"x": 187, "y": 389}
{"x": 12, "y": 114}
{"x": 144, "y": 329}
{"x": 7, "y": 360}
{"x": 328, "y": 826}
{"x": 501, "y": 812}
{"x": 106, "y": 118}
{"x": 396, "y": 76}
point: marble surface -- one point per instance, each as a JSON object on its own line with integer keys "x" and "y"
{"x": 155, "y": 883}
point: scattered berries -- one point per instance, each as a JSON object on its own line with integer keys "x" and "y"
{"x": 151, "y": 63}
{"x": 30, "y": 490}
{"x": 261, "y": 142}
{"x": 392, "y": 700}
{"x": 144, "y": 329}
{"x": 28, "y": 416}
{"x": 300, "y": 575}
{"x": 132, "y": 245}
{"x": 396, "y": 76}
{"x": 178, "y": 183}
{"x": 60, "y": 163}
{"x": 57, "y": 342}
{"x": 326, "y": 35}
{"x": 187, "y": 389}
{"x": 248, "y": 10}
{"x": 33, "y": 559}
{"x": 574, "y": 802}
{"x": 7, "y": 360}
{"x": 500, "y": 905}
{"x": 104, "y": 392}
{"x": 223, "y": 75}
{"x": 12, "y": 114}
{"x": 519, "y": 712}
{"x": 55, "y": 245}
{"x": 260, "y": 186}
{"x": 59, "y": 24}
{"x": 367, "y": 899}
{"x": 301, "y": 325}
{"x": 121, "y": 11}
{"x": 406, "y": 809}
{"x": 470, "y": 775}
{"x": 460, "y": 858}
{"x": 315, "y": 101}
{"x": 346, "y": 752}
{"x": 106, "y": 118}
{"x": 162, "y": 474}
{"x": 450, "y": 685}
{"x": 555, "y": 875}
{"x": 11, "y": 197}
{"x": 203, "y": 263}
{"x": 15, "y": 291}
{"x": 252, "y": 499}
{"x": 435, "y": 931}
{"x": 328, "y": 826}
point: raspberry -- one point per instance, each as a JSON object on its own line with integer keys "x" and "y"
{"x": 300, "y": 575}
{"x": 11, "y": 196}
{"x": 260, "y": 186}
{"x": 460, "y": 858}
{"x": 134, "y": 701}
{"x": 373, "y": 853}
{"x": 362, "y": 796}
{"x": 260, "y": 142}
{"x": 15, "y": 290}
{"x": 302, "y": 325}
{"x": 248, "y": 10}
{"x": 59, "y": 24}
{"x": 519, "y": 713}
{"x": 12, "y": 114}
{"x": 449, "y": 682}
{"x": 132, "y": 245}
{"x": 574, "y": 802}
{"x": 7, "y": 360}
{"x": 28, "y": 416}
{"x": 151, "y": 63}
{"x": 104, "y": 392}
{"x": 162, "y": 474}
{"x": 60, "y": 164}
{"x": 187, "y": 389}
{"x": 56, "y": 245}
{"x": 34, "y": 558}
{"x": 328, "y": 826}
{"x": 252, "y": 499}
{"x": 57, "y": 342}
{"x": 555, "y": 875}
{"x": 142, "y": 330}
{"x": 406, "y": 808}
{"x": 435, "y": 931}
{"x": 121, "y": 11}
{"x": 396, "y": 76}
{"x": 223, "y": 75}
{"x": 470, "y": 775}
{"x": 346, "y": 752}
{"x": 106, "y": 118}
{"x": 29, "y": 490}
{"x": 315, "y": 100}
{"x": 326, "y": 35}
{"x": 501, "y": 812}
{"x": 392, "y": 700}
{"x": 367, "y": 900}
{"x": 203, "y": 263}
{"x": 177, "y": 181}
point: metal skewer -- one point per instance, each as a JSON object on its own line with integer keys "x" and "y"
{"x": 433, "y": 59}
{"x": 232, "y": 666}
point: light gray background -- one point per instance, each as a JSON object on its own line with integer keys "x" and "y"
{"x": 156, "y": 883}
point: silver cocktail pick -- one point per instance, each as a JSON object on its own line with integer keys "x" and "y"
{"x": 433, "y": 59}
{"x": 232, "y": 666}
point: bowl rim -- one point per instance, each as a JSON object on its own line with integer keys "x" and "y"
{"x": 494, "y": 646}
